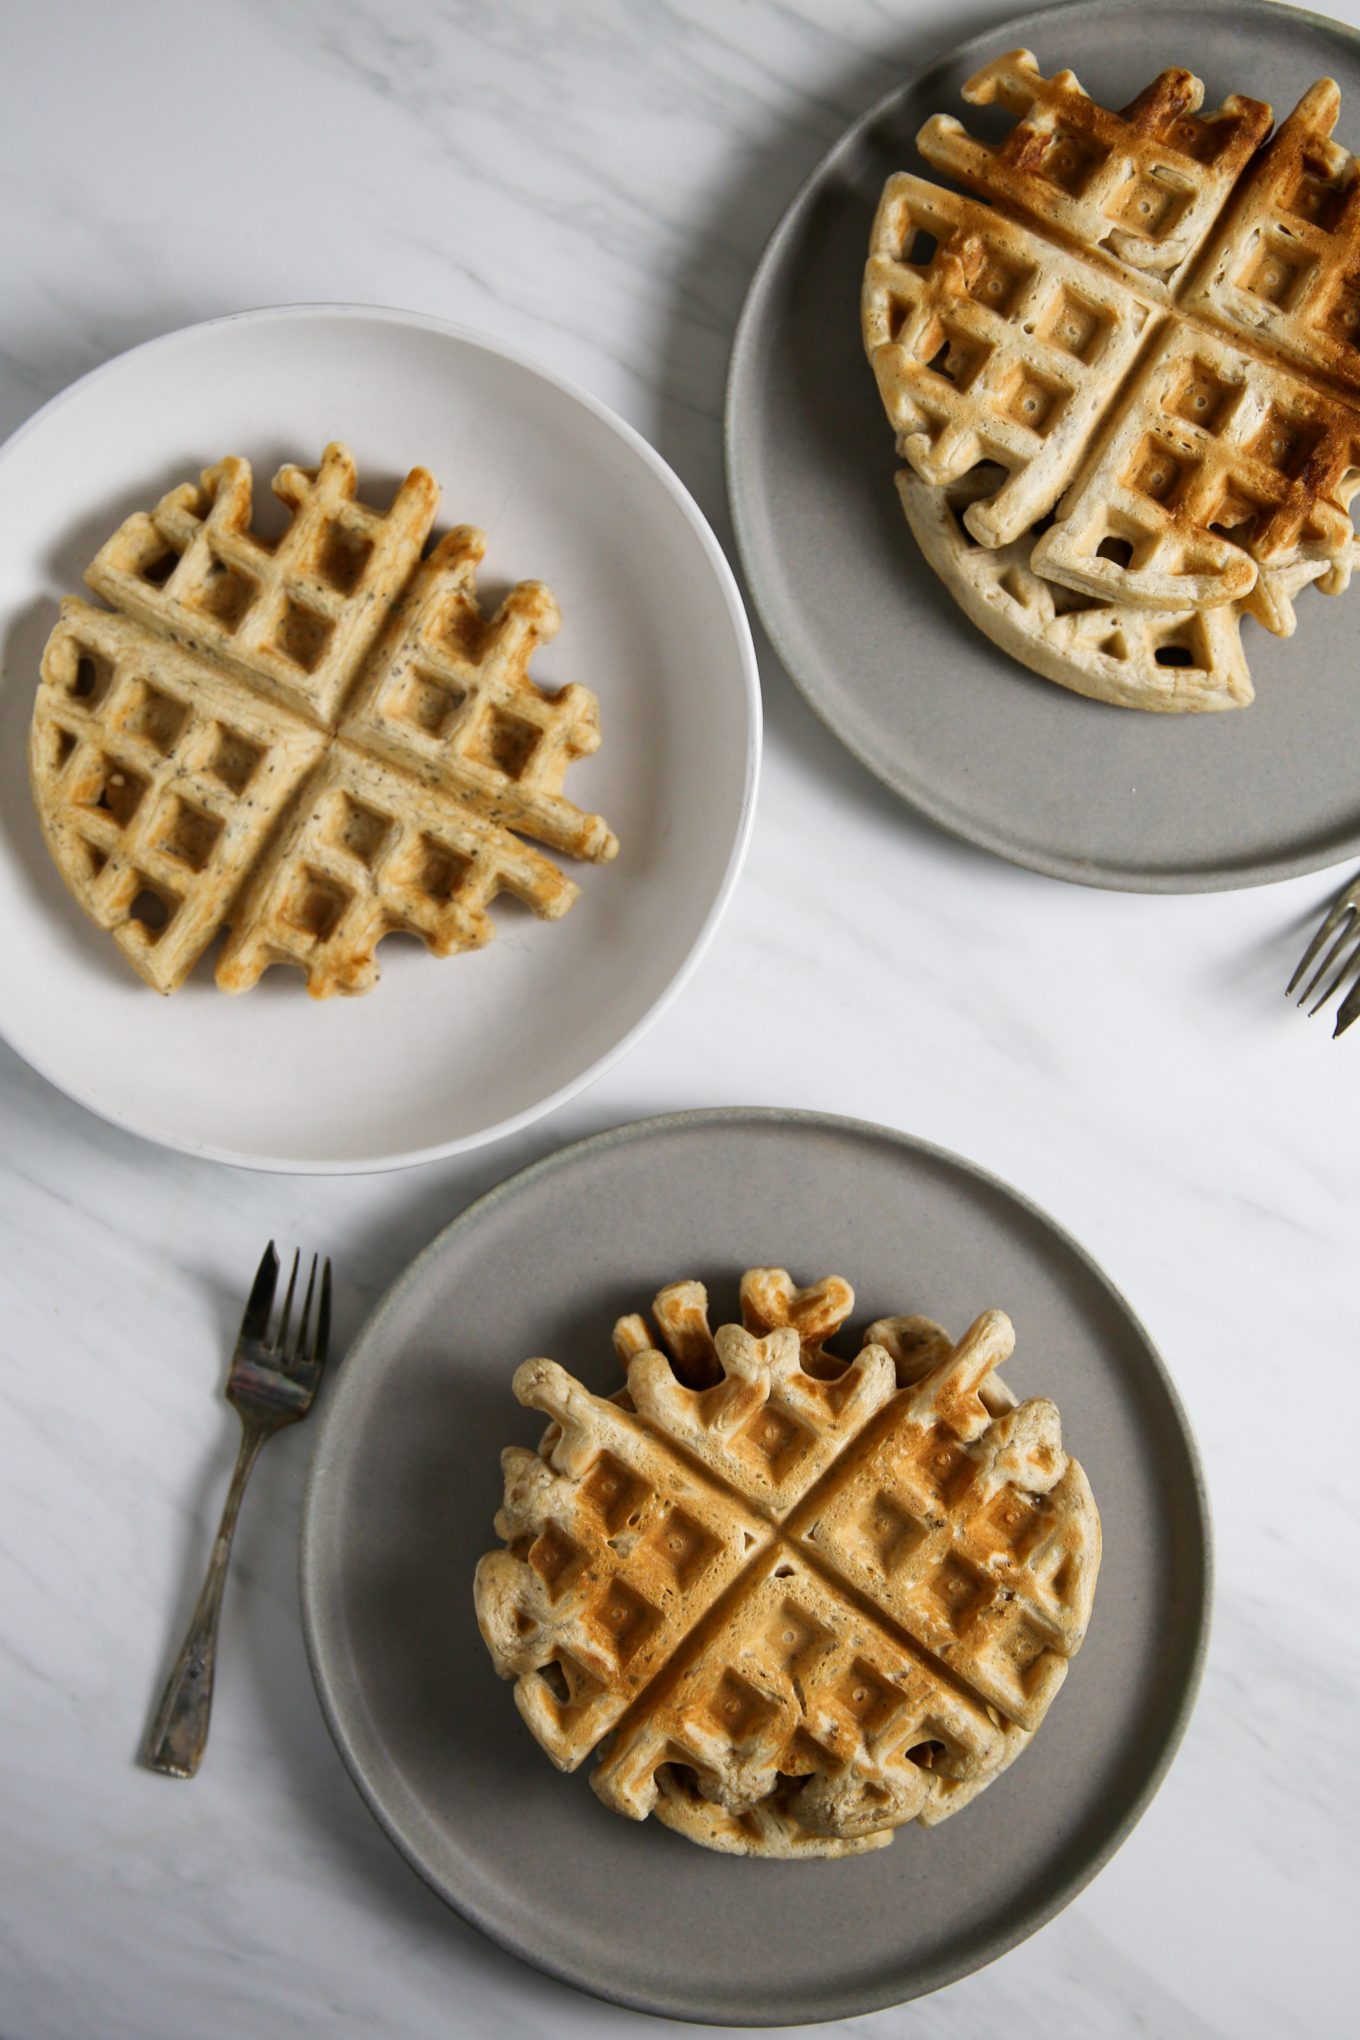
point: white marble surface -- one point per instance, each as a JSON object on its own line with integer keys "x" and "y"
{"x": 594, "y": 183}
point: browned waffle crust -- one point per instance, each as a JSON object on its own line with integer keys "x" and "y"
{"x": 793, "y": 1601}
{"x": 316, "y": 740}
{"x": 1130, "y": 363}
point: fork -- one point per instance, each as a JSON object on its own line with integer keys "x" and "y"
{"x": 1343, "y": 923}
{"x": 271, "y": 1383}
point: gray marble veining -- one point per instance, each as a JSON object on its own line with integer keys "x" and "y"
{"x": 593, "y": 183}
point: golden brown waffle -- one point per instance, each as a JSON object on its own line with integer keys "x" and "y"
{"x": 294, "y": 617}
{"x": 158, "y": 780}
{"x": 616, "y": 1546}
{"x": 805, "y": 1599}
{"x": 1140, "y": 188}
{"x": 447, "y": 697}
{"x": 1002, "y": 349}
{"x": 1215, "y": 466}
{"x": 318, "y": 740}
{"x": 1198, "y": 463}
{"x": 1286, "y": 266}
{"x": 1117, "y": 652}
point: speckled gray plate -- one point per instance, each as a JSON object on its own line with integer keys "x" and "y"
{"x": 1075, "y": 788}
{"x": 406, "y": 1479}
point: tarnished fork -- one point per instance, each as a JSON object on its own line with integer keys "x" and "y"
{"x": 272, "y": 1383}
{"x": 1342, "y": 929}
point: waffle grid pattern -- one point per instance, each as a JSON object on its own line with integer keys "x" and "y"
{"x": 1139, "y": 188}
{"x": 1287, "y": 264}
{"x": 295, "y": 616}
{"x": 1139, "y": 658}
{"x": 1230, "y": 451}
{"x": 1000, "y": 349}
{"x": 806, "y": 1600}
{"x": 248, "y": 738}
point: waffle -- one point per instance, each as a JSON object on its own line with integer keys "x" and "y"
{"x": 140, "y": 756}
{"x": 1138, "y": 189}
{"x": 790, "y": 1601}
{"x": 1002, "y": 349}
{"x": 1286, "y": 267}
{"x": 1113, "y": 651}
{"x": 1131, "y": 373}
{"x": 293, "y": 618}
{"x": 1216, "y": 466}
{"x": 314, "y": 741}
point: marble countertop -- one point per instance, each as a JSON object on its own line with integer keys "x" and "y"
{"x": 594, "y": 183}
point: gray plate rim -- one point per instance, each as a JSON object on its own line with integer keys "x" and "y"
{"x": 312, "y": 1551}
{"x": 1110, "y": 877}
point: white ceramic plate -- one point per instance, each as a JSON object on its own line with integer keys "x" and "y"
{"x": 442, "y": 1055}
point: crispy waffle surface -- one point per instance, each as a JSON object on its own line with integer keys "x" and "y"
{"x": 791, "y": 1601}
{"x": 1127, "y": 367}
{"x": 314, "y": 741}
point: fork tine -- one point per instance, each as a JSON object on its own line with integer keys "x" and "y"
{"x": 321, "y": 1343}
{"x": 299, "y": 1351}
{"x": 1328, "y": 960}
{"x": 255, "y": 1323}
{"x": 281, "y": 1336}
{"x": 1342, "y": 911}
{"x": 1339, "y": 976}
{"x": 1348, "y": 1012}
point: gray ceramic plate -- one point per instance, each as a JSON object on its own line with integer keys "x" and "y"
{"x": 1108, "y": 796}
{"x": 406, "y": 1479}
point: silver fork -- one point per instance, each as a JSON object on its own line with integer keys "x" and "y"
{"x": 271, "y": 1383}
{"x": 1342, "y": 929}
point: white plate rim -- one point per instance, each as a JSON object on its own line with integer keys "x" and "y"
{"x": 670, "y": 482}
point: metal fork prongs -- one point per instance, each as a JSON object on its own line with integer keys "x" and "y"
{"x": 1341, "y": 929}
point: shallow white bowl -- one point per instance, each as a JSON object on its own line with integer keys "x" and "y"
{"x": 442, "y": 1055}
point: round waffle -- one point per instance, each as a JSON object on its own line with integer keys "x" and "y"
{"x": 793, "y": 1601}
{"x": 314, "y": 741}
{"x": 1135, "y": 349}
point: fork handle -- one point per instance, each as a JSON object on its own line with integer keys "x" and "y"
{"x": 179, "y": 1731}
